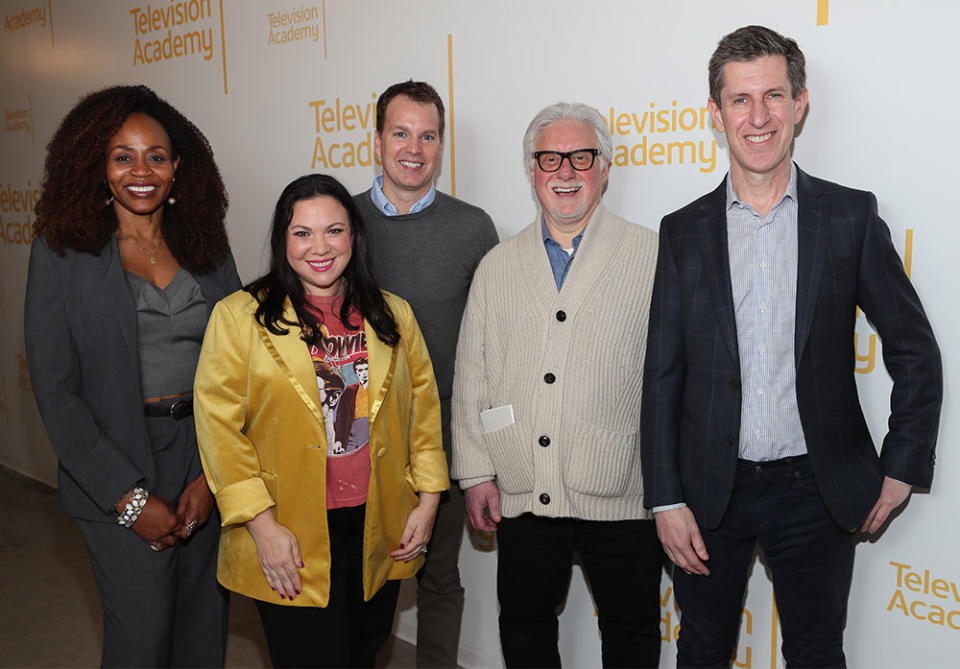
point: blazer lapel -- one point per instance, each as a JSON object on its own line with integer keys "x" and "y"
{"x": 812, "y": 236}
{"x": 382, "y": 362}
{"x": 213, "y": 290}
{"x": 712, "y": 234}
{"x": 291, "y": 355}
{"x": 117, "y": 292}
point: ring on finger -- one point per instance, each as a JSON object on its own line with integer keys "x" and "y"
{"x": 155, "y": 547}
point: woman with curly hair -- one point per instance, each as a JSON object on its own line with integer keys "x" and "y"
{"x": 319, "y": 530}
{"x": 130, "y": 256}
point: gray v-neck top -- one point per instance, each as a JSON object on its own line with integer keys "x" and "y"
{"x": 170, "y": 326}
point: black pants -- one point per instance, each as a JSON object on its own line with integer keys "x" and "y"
{"x": 811, "y": 557}
{"x": 622, "y": 561}
{"x": 348, "y": 632}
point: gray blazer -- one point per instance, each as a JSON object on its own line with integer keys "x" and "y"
{"x": 80, "y": 325}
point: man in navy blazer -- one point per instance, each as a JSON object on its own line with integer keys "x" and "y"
{"x": 752, "y": 430}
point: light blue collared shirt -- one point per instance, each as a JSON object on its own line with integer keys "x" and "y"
{"x": 763, "y": 276}
{"x": 560, "y": 258}
{"x": 386, "y": 206}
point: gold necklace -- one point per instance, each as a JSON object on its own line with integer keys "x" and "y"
{"x": 150, "y": 252}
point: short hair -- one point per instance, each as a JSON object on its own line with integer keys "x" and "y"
{"x": 361, "y": 361}
{"x": 567, "y": 111}
{"x": 752, "y": 42}
{"x": 418, "y": 91}
{"x": 72, "y": 213}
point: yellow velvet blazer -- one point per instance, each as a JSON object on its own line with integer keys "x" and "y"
{"x": 263, "y": 444}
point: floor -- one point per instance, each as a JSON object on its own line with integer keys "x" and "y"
{"x": 50, "y": 612}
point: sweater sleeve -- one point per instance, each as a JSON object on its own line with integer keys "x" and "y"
{"x": 470, "y": 463}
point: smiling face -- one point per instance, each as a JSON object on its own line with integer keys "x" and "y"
{"x": 140, "y": 166}
{"x": 758, "y": 116}
{"x": 568, "y": 197}
{"x": 319, "y": 244}
{"x": 410, "y": 149}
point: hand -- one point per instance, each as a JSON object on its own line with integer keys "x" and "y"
{"x": 483, "y": 505}
{"x": 419, "y": 528}
{"x": 278, "y": 553}
{"x": 680, "y": 536}
{"x": 157, "y": 523}
{"x": 892, "y": 494}
{"x": 195, "y": 507}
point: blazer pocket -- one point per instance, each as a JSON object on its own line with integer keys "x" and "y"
{"x": 512, "y": 460}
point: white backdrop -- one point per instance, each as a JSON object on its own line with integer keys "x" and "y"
{"x": 284, "y": 88}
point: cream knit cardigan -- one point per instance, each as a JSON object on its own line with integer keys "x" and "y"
{"x": 514, "y": 334}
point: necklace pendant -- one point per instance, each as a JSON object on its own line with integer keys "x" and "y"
{"x": 153, "y": 260}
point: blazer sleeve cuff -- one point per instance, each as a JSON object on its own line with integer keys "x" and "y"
{"x": 104, "y": 473}
{"x": 242, "y": 501}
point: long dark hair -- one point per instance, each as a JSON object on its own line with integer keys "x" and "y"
{"x": 281, "y": 281}
{"x": 72, "y": 212}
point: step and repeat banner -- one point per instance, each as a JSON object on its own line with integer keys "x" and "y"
{"x": 282, "y": 88}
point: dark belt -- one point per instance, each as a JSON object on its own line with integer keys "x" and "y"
{"x": 177, "y": 409}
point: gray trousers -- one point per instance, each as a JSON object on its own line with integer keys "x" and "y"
{"x": 161, "y": 609}
{"x": 439, "y": 593}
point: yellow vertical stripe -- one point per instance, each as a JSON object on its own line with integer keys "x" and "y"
{"x": 33, "y": 138}
{"x": 773, "y": 630}
{"x": 223, "y": 49}
{"x": 823, "y": 7}
{"x": 908, "y": 253}
{"x": 453, "y": 147}
{"x": 50, "y": 14}
{"x": 323, "y": 16}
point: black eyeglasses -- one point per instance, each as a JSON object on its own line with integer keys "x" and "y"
{"x": 580, "y": 160}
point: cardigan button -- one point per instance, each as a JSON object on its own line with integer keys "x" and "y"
{"x": 735, "y": 383}
{"x": 561, "y": 315}
{"x": 544, "y": 440}
{"x": 730, "y": 440}
{"x": 381, "y": 452}
{"x": 544, "y": 498}
{"x": 549, "y": 378}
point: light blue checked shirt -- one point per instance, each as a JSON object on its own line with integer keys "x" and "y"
{"x": 763, "y": 274}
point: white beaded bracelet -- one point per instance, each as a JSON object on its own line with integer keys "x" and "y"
{"x": 130, "y": 513}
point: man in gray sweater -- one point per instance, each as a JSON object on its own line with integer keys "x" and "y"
{"x": 547, "y": 403}
{"x": 425, "y": 246}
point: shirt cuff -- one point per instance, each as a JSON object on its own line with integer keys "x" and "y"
{"x": 469, "y": 483}
{"x": 669, "y": 507}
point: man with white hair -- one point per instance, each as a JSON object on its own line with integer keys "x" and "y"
{"x": 546, "y": 410}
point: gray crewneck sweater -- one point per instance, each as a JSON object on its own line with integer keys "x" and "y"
{"x": 428, "y": 258}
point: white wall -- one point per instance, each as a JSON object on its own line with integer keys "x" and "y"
{"x": 882, "y": 116}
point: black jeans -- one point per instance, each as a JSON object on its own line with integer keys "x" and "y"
{"x": 622, "y": 561}
{"x": 811, "y": 557}
{"x": 348, "y": 632}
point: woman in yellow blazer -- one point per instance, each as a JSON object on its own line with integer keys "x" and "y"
{"x": 319, "y": 523}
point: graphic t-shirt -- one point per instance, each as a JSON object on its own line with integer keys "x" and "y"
{"x": 340, "y": 360}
